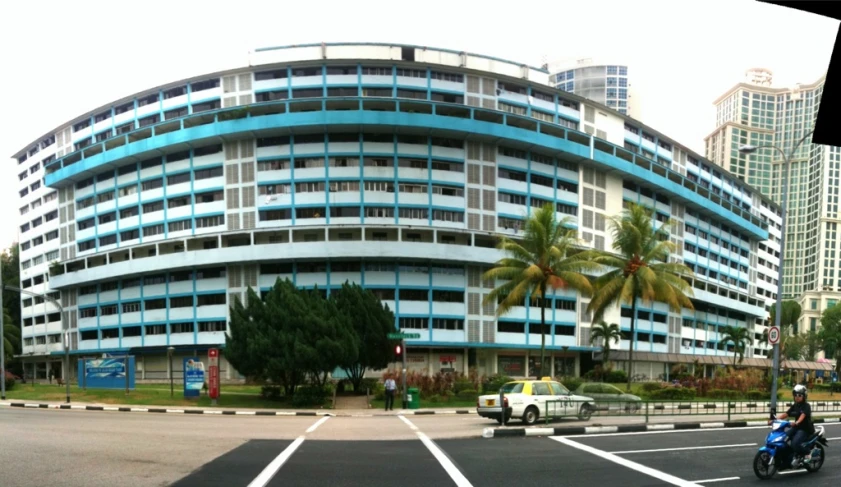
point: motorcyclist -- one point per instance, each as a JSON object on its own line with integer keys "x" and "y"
{"x": 802, "y": 427}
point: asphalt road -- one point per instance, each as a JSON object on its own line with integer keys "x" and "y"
{"x": 81, "y": 448}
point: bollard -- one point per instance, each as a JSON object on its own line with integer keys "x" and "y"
{"x": 646, "y": 412}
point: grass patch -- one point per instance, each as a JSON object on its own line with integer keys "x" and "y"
{"x": 149, "y": 395}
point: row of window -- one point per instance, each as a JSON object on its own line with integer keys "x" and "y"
{"x": 354, "y": 186}
{"x": 151, "y": 280}
{"x": 150, "y": 184}
{"x": 148, "y": 330}
{"x": 152, "y": 230}
{"x": 714, "y": 257}
{"x": 434, "y": 323}
{"x": 453, "y": 216}
{"x": 283, "y": 164}
{"x": 733, "y": 247}
{"x": 153, "y": 304}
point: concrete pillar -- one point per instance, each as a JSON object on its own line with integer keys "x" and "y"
{"x": 429, "y": 363}
{"x": 466, "y": 364}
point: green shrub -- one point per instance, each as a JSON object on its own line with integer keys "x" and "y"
{"x": 724, "y": 394}
{"x": 272, "y": 393}
{"x": 616, "y": 376}
{"x": 571, "y": 383}
{"x": 673, "y": 394}
{"x": 755, "y": 395}
{"x": 369, "y": 384}
{"x": 652, "y": 386}
{"x": 10, "y": 380}
{"x": 310, "y": 396}
{"x": 467, "y": 395}
{"x": 435, "y": 399}
{"x": 463, "y": 385}
{"x": 493, "y": 383}
{"x": 836, "y": 387}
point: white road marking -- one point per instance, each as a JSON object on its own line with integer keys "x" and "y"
{"x": 627, "y": 463}
{"x": 317, "y": 424}
{"x": 444, "y": 460}
{"x": 414, "y": 428}
{"x": 709, "y": 481}
{"x": 271, "y": 470}
{"x": 710, "y": 447}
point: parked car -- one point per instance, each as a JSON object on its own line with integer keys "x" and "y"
{"x": 526, "y": 400}
{"x": 609, "y": 396}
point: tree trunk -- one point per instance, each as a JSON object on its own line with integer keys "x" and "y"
{"x": 606, "y": 352}
{"x": 542, "y": 332}
{"x": 631, "y": 347}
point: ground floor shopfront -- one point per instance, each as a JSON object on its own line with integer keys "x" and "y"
{"x": 662, "y": 366}
{"x": 514, "y": 363}
{"x": 151, "y": 364}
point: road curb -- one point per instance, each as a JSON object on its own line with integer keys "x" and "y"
{"x": 630, "y": 428}
{"x": 234, "y": 412}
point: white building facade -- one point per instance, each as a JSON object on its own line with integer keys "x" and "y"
{"x": 393, "y": 166}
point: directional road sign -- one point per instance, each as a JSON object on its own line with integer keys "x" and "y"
{"x": 402, "y": 336}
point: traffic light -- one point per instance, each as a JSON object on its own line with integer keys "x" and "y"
{"x": 398, "y": 350}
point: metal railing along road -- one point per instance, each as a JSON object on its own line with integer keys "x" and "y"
{"x": 646, "y": 409}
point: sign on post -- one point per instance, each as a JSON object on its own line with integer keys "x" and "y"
{"x": 193, "y": 377}
{"x": 106, "y": 373}
{"x": 213, "y": 379}
{"x": 403, "y": 336}
{"x": 774, "y": 335}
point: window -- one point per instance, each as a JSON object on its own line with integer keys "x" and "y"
{"x": 180, "y": 225}
{"x": 153, "y": 207}
{"x": 153, "y": 184}
{"x": 178, "y": 178}
{"x": 209, "y": 173}
{"x": 210, "y": 221}
{"x": 211, "y": 300}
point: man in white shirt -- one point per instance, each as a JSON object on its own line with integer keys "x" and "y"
{"x": 390, "y": 388}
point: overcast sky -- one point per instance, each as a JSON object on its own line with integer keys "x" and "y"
{"x": 61, "y": 59}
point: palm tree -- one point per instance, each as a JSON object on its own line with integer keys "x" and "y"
{"x": 543, "y": 261}
{"x": 740, "y": 337}
{"x": 11, "y": 337}
{"x": 639, "y": 269}
{"x": 609, "y": 333}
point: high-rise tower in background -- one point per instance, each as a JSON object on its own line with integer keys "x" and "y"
{"x": 757, "y": 113}
{"x": 596, "y": 80}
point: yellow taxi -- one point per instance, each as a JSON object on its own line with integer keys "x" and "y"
{"x": 527, "y": 400}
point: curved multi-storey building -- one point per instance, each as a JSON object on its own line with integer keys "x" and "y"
{"x": 393, "y": 166}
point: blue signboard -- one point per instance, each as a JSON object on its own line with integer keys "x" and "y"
{"x": 193, "y": 377}
{"x": 106, "y": 373}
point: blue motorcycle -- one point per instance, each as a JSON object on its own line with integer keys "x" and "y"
{"x": 777, "y": 454}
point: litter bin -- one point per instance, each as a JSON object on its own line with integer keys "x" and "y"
{"x": 414, "y": 398}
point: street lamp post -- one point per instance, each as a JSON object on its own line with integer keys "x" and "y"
{"x": 749, "y": 149}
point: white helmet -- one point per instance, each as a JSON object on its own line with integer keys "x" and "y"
{"x": 800, "y": 390}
